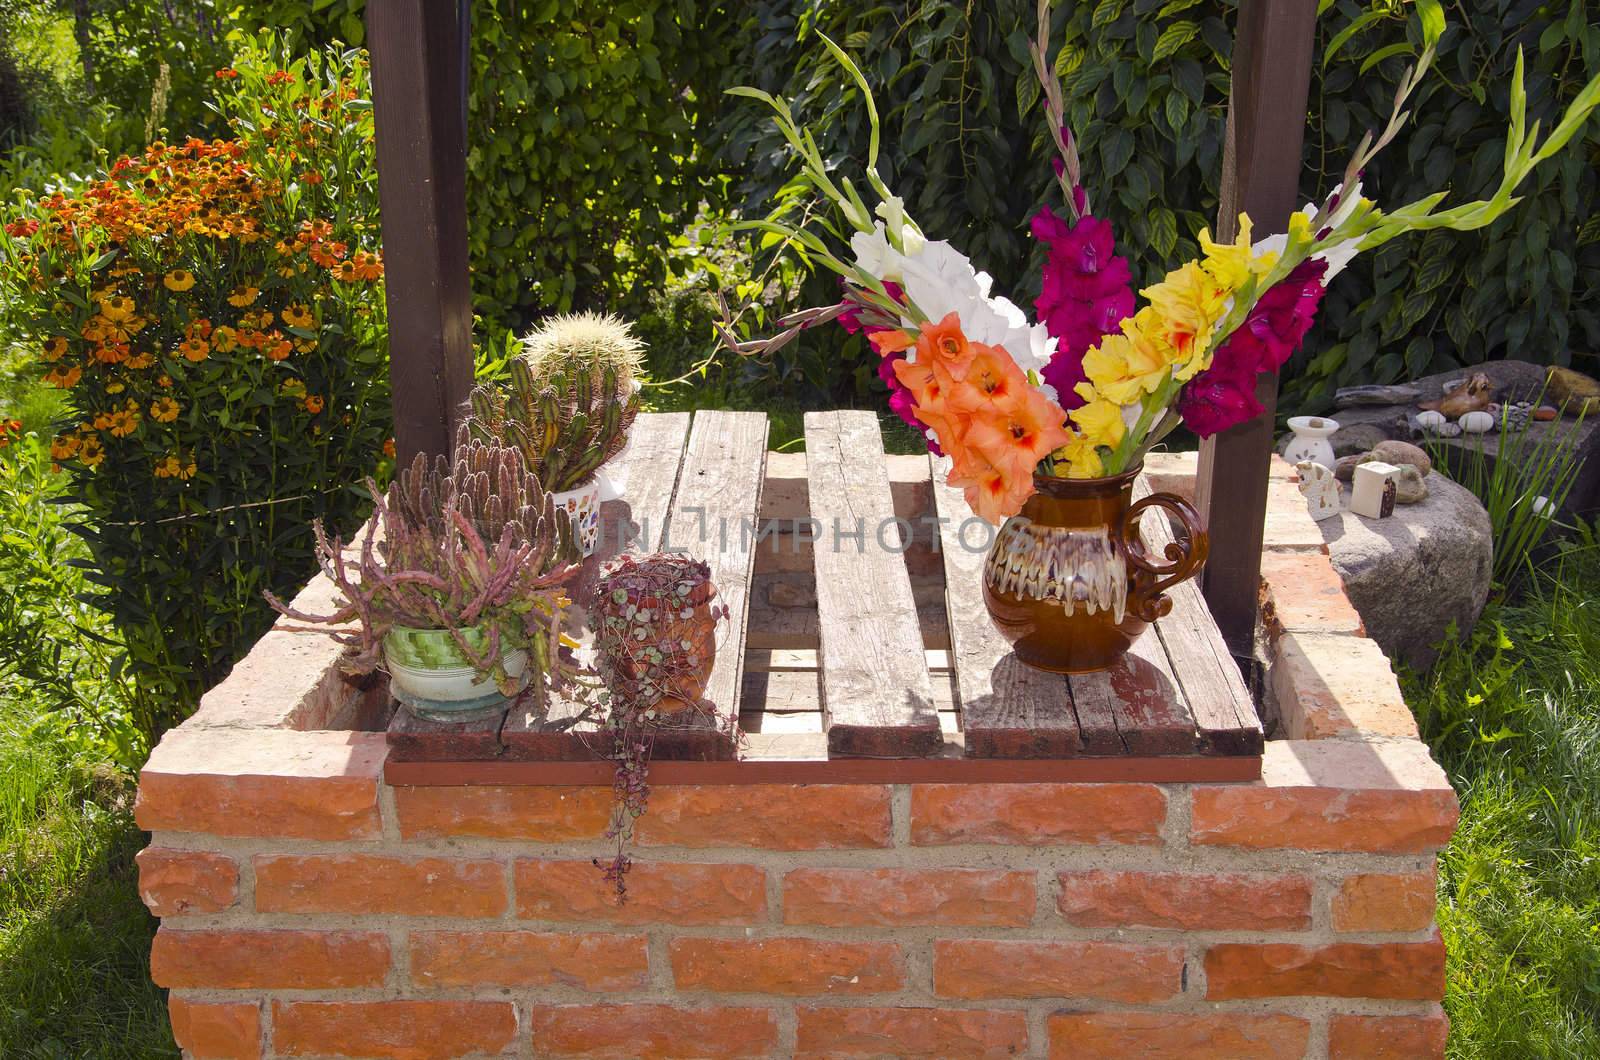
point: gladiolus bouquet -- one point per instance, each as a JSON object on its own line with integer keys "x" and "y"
{"x": 1102, "y": 378}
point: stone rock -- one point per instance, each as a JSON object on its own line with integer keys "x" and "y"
{"x": 1398, "y": 452}
{"x": 1545, "y": 413}
{"x": 1356, "y": 438}
{"x": 1479, "y": 422}
{"x": 1345, "y": 469}
{"x": 1412, "y": 574}
{"x": 1352, "y": 396}
{"x": 1449, "y": 430}
{"x": 1409, "y": 487}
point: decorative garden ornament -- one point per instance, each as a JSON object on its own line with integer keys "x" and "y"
{"x": 1311, "y": 440}
{"x": 1472, "y": 395}
{"x": 1068, "y": 580}
{"x": 1320, "y": 489}
{"x": 1373, "y": 493}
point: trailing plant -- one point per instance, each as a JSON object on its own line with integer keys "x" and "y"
{"x": 569, "y": 341}
{"x": 586, "y": 125}
{"x": 655, "y": 620}
{"x": 566, "y": 424}
{"x": 1522, "y": 487}
{"x": 473, "y": 542}
{"x": 214, "y": 315}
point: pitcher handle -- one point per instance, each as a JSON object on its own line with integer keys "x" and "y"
{"x": 1148, "y": 578}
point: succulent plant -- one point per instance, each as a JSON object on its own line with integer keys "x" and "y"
{"x": 566, "y": 425}
{"x": 576, "y": 340}
{"x": 469, "y": 542}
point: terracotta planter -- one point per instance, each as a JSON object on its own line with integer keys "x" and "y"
{"x": 697, "y": 629}
{"x": 1068, "y": 581}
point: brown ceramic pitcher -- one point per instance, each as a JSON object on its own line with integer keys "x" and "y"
{"x": 1068, "y": 581}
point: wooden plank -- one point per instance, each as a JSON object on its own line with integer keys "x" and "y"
{"x": 419, "y": 97}
{"x": 1219, "y": 701}
{"x": 876, "y": 691}
{"x": 1271, "y": 72}
{"x": 1143, "y": 698}
{"x": 1008, "y": 709}
{"x": 414, "y": 739}
{"x": 801, "y": 758}
{"x": 782, "y": 660}
{"x": 713, "y": 517}
{"x": 558, "y": 730}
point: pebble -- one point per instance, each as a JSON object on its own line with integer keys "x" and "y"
{"x": 1449, "y": 430}
{"x": 1477, "y": 423}
{"x": 1544, "y": 413}
{"x": 1431, "y": 420}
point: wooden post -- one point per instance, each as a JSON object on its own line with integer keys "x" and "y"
{"x": 419, "y": 107}
{"x": 1260, "y": 176}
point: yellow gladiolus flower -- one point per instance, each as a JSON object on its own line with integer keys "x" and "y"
{"x": 1100, "y": 421}
{"x": 1079, "y": 458}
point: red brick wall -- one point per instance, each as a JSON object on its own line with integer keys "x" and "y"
{"x": 311, "y": 910}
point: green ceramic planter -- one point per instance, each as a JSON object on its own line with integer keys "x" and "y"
{"x": 431, "y": 677}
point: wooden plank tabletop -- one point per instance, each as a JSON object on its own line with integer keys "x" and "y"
{"x": 876, "y": 693}
{"x": 865, "y": 690}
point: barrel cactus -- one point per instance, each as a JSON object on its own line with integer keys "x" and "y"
{"x": 576, "y": 340}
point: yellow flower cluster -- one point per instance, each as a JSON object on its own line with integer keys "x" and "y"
{"x": 1168, "y": 340}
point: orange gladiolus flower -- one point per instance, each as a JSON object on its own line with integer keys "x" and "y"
{"x": 944, "y": 344}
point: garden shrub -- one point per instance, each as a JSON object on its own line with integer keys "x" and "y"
{"x": 214, "y": 314}
{"x": 584, "y": 134}
{"x": 1146, "y": 85}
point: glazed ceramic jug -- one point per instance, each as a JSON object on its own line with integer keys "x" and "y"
{"x": 1068, "y": 580}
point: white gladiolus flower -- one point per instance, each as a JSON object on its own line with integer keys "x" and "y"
{"x": 875, "y": 256}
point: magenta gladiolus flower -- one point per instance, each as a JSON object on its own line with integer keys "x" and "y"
{"x": 1215, "y": 400}
{"x": 1086, "y": 293}
{"x": 1224, "y": 395}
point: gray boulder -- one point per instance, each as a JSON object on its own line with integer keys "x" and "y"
{"x": 1412, "y": 574}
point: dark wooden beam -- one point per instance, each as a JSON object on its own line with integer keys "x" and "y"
{"x": 1260, "y": 176}
{"x": 419, "y": 105}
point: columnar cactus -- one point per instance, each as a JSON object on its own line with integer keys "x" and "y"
{"x": 566, "y": 424}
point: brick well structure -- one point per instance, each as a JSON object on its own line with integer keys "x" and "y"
{"x": 310, "y": 908}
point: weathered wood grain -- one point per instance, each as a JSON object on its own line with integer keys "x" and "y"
{"x": 1143, "y": 698}
{"x": 1008, "y": 709}
{"x": 875, "y": 687}
{"x": 713, "y": 519}
{"x": 1223, "y": 711}
{"x": 414, "y": 739}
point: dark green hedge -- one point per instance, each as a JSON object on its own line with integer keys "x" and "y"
{"x": 585, "y": 131}
{"x": 1147, "y": 87}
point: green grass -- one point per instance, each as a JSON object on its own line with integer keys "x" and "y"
{"x": 1514, "y": 717}
{"x": 74, "y": 936}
